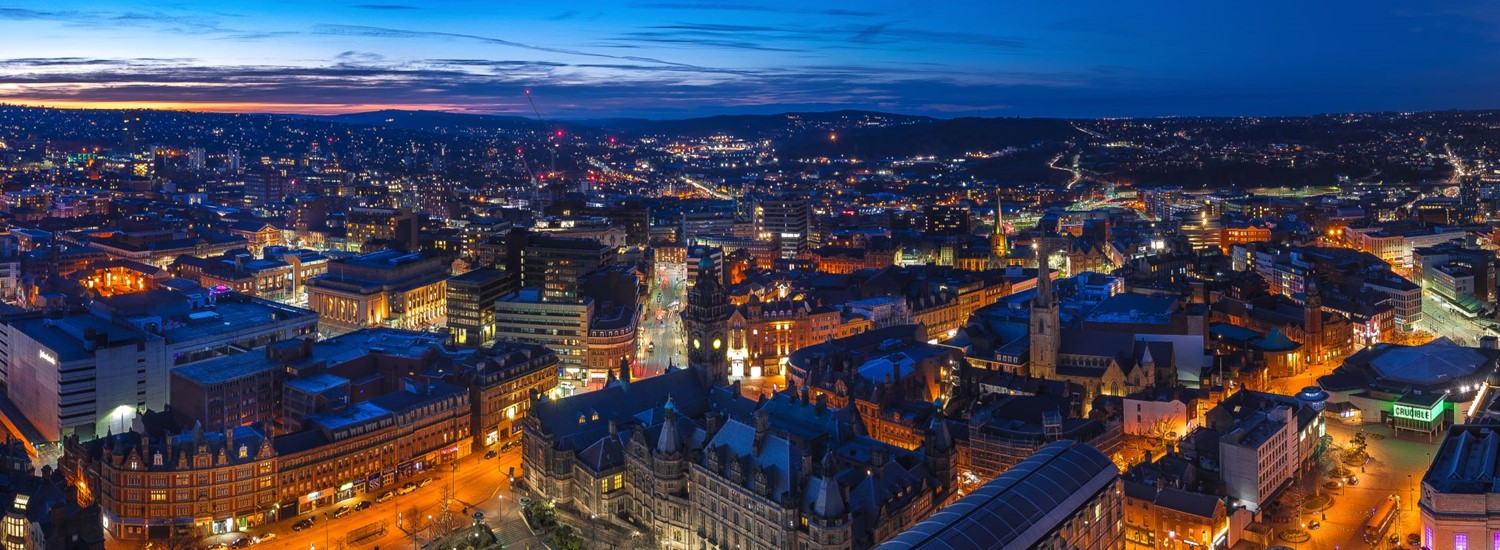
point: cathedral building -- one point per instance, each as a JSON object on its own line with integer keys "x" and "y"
{"x": 700, "y": 466}
{"x": 1102, "y": 363}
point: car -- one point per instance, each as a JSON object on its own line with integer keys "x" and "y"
{"x": 302, "y": 524}
{"x": 525, "y": 501}
{"x": 340, "y": 512}
{"x": 424, "y": 482}
{"x": 510, "y": 445}
{"x": 491, "y": 454}
{"x": 363, "y": 504}
{"x": 1413, "y": 539}
{"x": 241, "y": 542}
{"x": 651, "y": 347}
{"x": 219, "y": 546}
{"x": 265, "y": 537}
{"x": 385, "y": 496}
{"x": 407, "y": 488}
{"x": 1314, "y": 525}
{"x": 1352, "y": 480}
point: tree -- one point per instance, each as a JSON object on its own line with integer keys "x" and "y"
{"x": 1296, "y": 499}
{"x": 415, "y": 521}
{"x": 179, "y": 537}
{"x": 446, "y": 520}
{"x": 566, "y": 538}
{"x": 543, "y": 514}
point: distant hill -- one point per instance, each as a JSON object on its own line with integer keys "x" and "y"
{"x": 427, "y": 120}
{"x": 752, "y": 125}
{"x": 944, "y": 138}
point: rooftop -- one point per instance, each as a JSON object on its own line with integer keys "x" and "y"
{"x": 1019, "y": 508}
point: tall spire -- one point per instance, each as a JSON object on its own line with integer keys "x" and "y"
{"x": 1043, "y": 279}
{"x": 998, "y": 242}
{"x": 1045, "y": 323}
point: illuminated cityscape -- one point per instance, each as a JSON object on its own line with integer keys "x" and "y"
{"x": 769, "y": 276}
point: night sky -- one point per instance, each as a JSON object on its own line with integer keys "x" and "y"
{"x": 691, "y": 58}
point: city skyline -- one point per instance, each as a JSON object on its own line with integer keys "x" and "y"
{"x": 683, "y": 59}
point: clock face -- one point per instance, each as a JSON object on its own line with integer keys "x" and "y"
{"x": 717, "y": 343}
{"x": 697, "y": 344}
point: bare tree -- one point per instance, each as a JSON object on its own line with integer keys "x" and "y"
{"x": 1296, "y": 498}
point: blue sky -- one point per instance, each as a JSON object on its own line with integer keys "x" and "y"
{"x": 665, "y": 58}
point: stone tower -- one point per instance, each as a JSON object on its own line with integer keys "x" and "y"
{"x": 1312, "y": 322}
{"x": 1045, "y": 337}
{"x": 706, "y": 321}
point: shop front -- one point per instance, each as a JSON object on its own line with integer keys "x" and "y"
{"x": 1419, "y": 413}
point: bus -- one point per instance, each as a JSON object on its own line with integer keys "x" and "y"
{"x": 1381, "y": 520}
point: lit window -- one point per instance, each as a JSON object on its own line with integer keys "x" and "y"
{"x": 1461, "y": 541}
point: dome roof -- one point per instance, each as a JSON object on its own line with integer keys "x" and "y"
{"x": 1428, "y": 363}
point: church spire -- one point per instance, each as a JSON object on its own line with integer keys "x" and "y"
{"x": 1045, "y": 323}
{"x": 1043, "y": 280}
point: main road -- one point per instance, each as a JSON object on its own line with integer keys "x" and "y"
{"x": 478, "y": 484}
{"x": 1396, "y": 467}
{"x": 1443, "y": 319}
{"x": 661, "y": 338}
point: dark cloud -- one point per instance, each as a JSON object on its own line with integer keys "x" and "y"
{"x": 715, "y": 6}
{"x": 576, "y": 90}
{"x": 22, "y": 14}
{"x": 381, "y": 32}
{"x": 789, "y": 38}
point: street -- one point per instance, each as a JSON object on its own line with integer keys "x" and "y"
{"x": 1396, "y": 467}
{"x": 1438, "y": 317}
{"x": 661, "y": 340}
{"x": 478, "y": 484}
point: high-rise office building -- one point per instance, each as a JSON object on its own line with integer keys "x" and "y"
{"x": 471, "y": 304}
{"x": 788, "y": 220}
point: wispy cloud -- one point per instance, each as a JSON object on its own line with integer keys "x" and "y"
{"x": 356, "y": 80}
{"x": 715, "y": 6}
{"x": 386, "y": 7}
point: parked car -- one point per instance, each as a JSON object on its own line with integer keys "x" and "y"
{"x": 339, "y": 512}
{"x": 241, "y": 542}
{"x": 265, "y": 537}
{"x": 362, "y": 505}
{"x": 424, "y": 482}
{"x": 385, "y": 496}
{"x": 492, "y": 454}
{"x": 407, "y": 488}
{"x": 510, "y": 445}
{"x": 302, "y": 524}
{"x": 1314, "y": 525}
{"x": 525, "y": 501}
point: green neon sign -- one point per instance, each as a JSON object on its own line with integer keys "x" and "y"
{"x": 1420, "y": 414}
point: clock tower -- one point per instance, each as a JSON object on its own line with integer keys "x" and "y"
{"x": 706, "y": 321}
